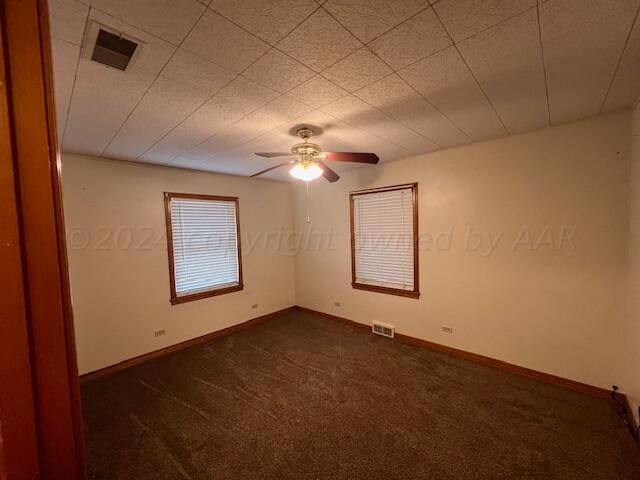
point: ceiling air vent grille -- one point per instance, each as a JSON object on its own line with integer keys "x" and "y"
{"x": 383, "y": 329}
{"x": 113, "y": 50}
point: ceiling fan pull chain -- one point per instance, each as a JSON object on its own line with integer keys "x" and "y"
{"x": 308, "y": 205}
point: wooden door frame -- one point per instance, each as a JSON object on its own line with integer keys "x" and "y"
{"x": 40, "y": 414}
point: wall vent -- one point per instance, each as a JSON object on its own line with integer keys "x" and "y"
{"x": 113, "y": 50}
{"x": 383, "y": 329}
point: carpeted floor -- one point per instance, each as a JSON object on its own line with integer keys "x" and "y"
{"x": 300, "y": 397}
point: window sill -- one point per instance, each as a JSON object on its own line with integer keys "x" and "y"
{"x": 387, "y": 290}
{"x": 207, "y": 294}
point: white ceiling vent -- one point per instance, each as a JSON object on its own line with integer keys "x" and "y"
{"x": 110, "y": 47}
{"x": 383, "y": 329}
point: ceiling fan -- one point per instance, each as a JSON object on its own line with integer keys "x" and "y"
{"x": 308, "y": 159}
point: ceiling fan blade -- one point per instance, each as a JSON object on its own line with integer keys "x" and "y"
{"x": 274, "y": 154}
{"x": 269, "y": 169}
{"x": 351, "y": 157}
{"x": 329, "y": 174}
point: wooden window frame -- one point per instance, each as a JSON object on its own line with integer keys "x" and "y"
{"x": 415, "y": 293}
{"x": 175, "y": 298}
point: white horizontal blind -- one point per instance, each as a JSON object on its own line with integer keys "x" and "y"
{"x": 205, "y": 244}
{"x": 383, "y": 229}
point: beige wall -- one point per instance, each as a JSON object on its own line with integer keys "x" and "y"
{"x": 634, "y": 267}
{"x": 554, "y": 308}
{"x": 120, "y": 288}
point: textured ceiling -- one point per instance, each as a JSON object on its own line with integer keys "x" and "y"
{"x": 216, "y": 80}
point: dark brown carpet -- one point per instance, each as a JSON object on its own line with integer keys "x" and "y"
{"x": 301, "y": 397}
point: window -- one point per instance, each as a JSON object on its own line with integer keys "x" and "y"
{"x": 384, "y": 240}
{"x": 203, "y": 240}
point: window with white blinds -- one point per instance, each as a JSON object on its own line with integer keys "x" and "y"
{"x": 384, "y": 240}
{"x": 204, "y": 245}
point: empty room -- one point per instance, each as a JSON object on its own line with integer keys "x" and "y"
{"x": 307, "y": 239}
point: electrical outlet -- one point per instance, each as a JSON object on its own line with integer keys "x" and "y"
{"x": 336, "y": 304}
{"x": 254, "y": 306}
{"x": 446, "y": 328}
{"x": 159, "y": 333}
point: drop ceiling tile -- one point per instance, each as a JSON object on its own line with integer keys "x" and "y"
{"x": 223, "y": 43}
{"x": 190, "y": 164}
{"x": 463, "y": 18}
{"x": 398, "y": 100}
{"x": 579, "y": 63}
{"x": 250, "y": 127}
{"x": 354, "y": 111}
{"x": 507, "y": 61}
{"x": 317, "y": 92}
{"x": 278, "y": 71}
{"x": 195, "y": 72}
{"x": 447, "y": 83}
{"x": 417, "y": 38}
{"x": 170, "y": 20}
{"x": 270, "y": 20}
{"x": 165, "y": 105}
{"x": 319, "y": 42}
{"x": 102, "y": 99}
{"x": 625, "y": 89}
{"x": 152, "y": 53}
{"x": 65, "y": 61}
{"x": 367, "y": 19}
{"x": 242, "y": 160}
{"x": 65, "y": 56}
{"x": 285, "y": 108}
{"x": 212, "y": 117}
{"x": 357, "y": 70}
{"x": 247, "y": 93}
{"x": 67, "y": 19}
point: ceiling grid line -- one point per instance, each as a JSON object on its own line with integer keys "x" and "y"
{"x": 228, "y": 126}
{"x": 178, "y": 96}
{"x": 151, "y": 84}
{"x": 622, "y": 52}
{"x": 544, "y": 64}
{"x": 91, "y": 7}
{"x": 324, "y": 113}
{"x": 387, "y": 115}
{"x": 397, "y": 25}
{"x": 75, "y": 77}
{"x": 453, "y": 42}
{"x": 264, "y": 134}
{"x": 328, "y": 66}
{"x": 225, "y": 85}
{"x": 254, "y": 35}
{"x": 201, "y": 105}
{"x": 464, "y": 60}
{"x": 394, "y": 71}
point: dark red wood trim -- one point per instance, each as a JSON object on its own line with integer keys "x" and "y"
{"x": 174, "y": 298}
{"x": 87, "y": 377}
{"x": 56, "y": 182}
{"x": 389, "y": 188}
{"x": 47, "y": 303}
{"x": 633, "y": 424}
{"x": 415, "y": 293}
{"x": 390, "y": 291}
{"x": 18, "y": 432}
{"x": 481, "y": 359}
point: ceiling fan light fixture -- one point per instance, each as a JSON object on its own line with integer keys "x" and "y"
{"x": 306, "y": 172}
